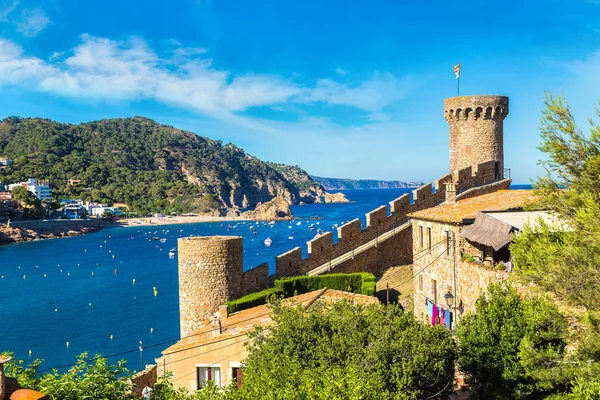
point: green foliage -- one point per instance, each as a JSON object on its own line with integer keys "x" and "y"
{"x": 513, "y": 348}
{"x": 467, "y": 258}
{"x": 566, "y": 262}
{"x": 348, "y": 351}
{"x": 150, "y": 167}
{"x": 361, "y": 282}
{"x": 252, "y": 300}
{"x": 88, "y": 379}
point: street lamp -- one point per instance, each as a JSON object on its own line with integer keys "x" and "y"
{"x": 449, "y": 299}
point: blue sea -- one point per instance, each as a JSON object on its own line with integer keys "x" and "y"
{"x": 96, "y": 293}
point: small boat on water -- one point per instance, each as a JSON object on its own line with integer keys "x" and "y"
{"x": 291, "y": 237}
{"x": 155, "y": 238}
{"x": 172, "y": 252}
{"x": 163, "y": 240}
{"x": 268, "y": 242}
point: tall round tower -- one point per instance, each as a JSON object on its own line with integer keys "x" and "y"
{"x": 210, "y": 273}
{"x": 476, "y": 130}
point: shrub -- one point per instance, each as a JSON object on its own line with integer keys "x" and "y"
{"x": 252, "y": 300}
{"x": 362, "y": 282}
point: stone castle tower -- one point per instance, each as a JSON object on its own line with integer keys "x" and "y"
{"x": 210, "y": 273}
{"x": 476, "y": 130}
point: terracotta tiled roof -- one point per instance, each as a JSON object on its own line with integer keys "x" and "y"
{"x": 244, "y": 321}
{"x": 501, "y": 200}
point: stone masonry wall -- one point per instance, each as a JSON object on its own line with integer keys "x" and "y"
{"x": 210, "y": 273}
{"x": 476, "y": 129}
{"x": 434, "y": 273}
{"x": 142, "y": 378}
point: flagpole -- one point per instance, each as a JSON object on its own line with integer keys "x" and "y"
{"x": 458, "y": 84}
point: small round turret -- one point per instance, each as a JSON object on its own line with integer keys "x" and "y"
{"x": 210, "y": 273}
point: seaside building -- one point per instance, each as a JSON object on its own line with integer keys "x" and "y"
{"x": 461, "y": 246}
{"x": 5, "y": 162}
{"x": 41, "y": 190}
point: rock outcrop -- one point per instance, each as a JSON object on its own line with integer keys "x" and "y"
{"x": 10, "y": 234}
{"x": 273, "y": 210}
{"x": 335, "y": 198}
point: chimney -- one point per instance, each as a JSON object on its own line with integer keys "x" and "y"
{"x": 216, "y": 326}
{"x": 223, "y": 311}
{"x": 3, "y": 359}
{"x": 450, "y": 192}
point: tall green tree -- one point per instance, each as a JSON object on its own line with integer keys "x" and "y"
{"x": 566, "y": 261}
{"x": 513, "y": 348}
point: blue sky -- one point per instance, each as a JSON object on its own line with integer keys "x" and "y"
{"x": 344, "y": 89}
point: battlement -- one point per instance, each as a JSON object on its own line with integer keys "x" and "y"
{"x": 474, "y": 108}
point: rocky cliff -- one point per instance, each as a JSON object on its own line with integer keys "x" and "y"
{"x": 276, "y": 209}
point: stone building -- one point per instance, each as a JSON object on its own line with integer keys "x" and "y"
{"x": 453, "y": 263}
{"x": 215, "y": 350}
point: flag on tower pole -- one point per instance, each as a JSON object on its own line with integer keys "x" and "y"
{"x": 457, "y": 73}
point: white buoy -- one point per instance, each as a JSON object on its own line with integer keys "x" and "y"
{"x": 29, "y": 353}
{"x": 134, "y": 281}
{"x": 68, "y": 274}
{"x": 151, "y": 330}
{"x": 44, "y": 275}
{"x": 56, "y": 310}
{"x": 24, "y": 276}
{"x": 111, "y": 338}
{"x": 92, "y": 272}
{"x": 67, "y": 345}
{"x": 90, "y": 304}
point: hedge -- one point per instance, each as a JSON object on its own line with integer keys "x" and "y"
{"x": 252, "y": 300}
{"x": 361, "y": 282}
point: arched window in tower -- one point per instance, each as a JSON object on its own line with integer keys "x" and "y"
{"x": 468, "y": 112}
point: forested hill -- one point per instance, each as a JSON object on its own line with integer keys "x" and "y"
{"x": 344, "y": 184}
{"x": 149, "y": 166}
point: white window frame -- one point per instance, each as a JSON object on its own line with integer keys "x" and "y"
{"x": 220, "y": 381}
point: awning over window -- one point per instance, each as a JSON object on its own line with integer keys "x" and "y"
{"x": 488, "y": 231}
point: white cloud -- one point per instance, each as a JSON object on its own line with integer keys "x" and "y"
{"x": 33, "y": 21}
{"x": 341, "y": 71}
{"x": 110, "y": 70}
{"x": 382, "y": 90}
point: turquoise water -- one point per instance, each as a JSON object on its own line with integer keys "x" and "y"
{"x": 81, "y": 290}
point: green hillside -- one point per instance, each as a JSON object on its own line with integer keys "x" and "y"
{"x": 149, "y": 166}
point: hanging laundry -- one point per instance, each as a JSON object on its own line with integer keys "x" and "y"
{"x": 448, "y": 318}
{"x": 434, "y": 315}
{"x": 429, "y": 308}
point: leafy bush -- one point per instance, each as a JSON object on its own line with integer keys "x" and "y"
{"x": 252, "y": 300}
{"x": 467, "y": 258}
{"x": 357, "y": 283}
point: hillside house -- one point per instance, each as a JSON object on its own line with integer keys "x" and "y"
{"x": 460, "y": 246}
{"x": 41, "y": 190}
{"x": 216, "y": 351}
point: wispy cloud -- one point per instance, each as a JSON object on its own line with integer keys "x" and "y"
{"x": 33, "y": 21}
{"x": 104, "y": 69}
{"x": 341, "y": 71}
{"x": 6, "y": 8}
